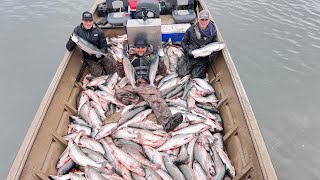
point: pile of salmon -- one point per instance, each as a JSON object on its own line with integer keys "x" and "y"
{"x": 111, "y": 140}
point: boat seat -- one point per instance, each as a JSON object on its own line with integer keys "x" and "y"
{"x": 183, "y": 11}
{"x": 117, "y": 9}
{"x": 153, "y": 5}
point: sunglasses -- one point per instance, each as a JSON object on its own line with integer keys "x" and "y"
{"x": 204, "y": 19}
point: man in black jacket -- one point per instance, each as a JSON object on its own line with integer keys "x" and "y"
{"x": 197, "y": 36}
{"x": 88, "y": 30}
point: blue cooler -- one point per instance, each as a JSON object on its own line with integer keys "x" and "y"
{"x": 174, "y": 31}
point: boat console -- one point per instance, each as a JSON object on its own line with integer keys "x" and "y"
{"x": 150, "y": 27}
{"x": 157, "y": 20}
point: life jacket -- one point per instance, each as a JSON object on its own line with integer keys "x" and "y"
{"x": 142, "y": 63}
{"x": 142, "y": 66}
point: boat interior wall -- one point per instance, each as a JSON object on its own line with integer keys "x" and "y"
{"x": 135, "y": 27}
{"x": 49, "y": 144}
{"x": 237, "y": 139}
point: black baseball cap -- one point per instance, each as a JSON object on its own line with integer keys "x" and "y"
{"x": 87, "y": 16}
{"x": 141, "y": 42}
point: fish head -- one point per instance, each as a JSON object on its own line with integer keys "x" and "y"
{"x": 74, "y": 38}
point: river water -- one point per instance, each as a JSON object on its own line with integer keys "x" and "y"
{"x": 275, "y": 45}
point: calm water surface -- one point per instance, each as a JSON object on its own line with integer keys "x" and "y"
{"x": 274, "y": 44}
{"x": 32, "y": 43}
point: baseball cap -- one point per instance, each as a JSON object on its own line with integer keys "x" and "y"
{"x": 141, "y": 42}
{"x": 204, "y": 14}
{"x": 87, "y": 16}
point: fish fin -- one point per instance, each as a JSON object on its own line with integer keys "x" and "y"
{"x": 77, "y": 138}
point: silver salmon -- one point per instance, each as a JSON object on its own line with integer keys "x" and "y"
{"x": 208, "y": 49}
{"x": 86, "y": 46}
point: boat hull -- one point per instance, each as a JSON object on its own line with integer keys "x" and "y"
{"x": 43, "y": 144}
